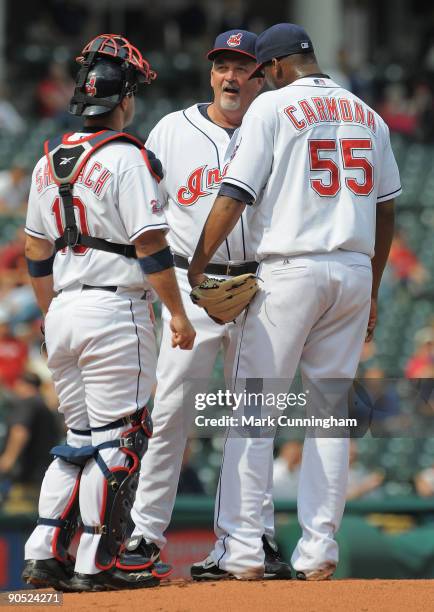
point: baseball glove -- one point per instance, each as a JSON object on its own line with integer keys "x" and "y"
{"x": 223, "y": 300}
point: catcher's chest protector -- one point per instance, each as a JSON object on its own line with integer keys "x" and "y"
{"x": 66, "y": 159}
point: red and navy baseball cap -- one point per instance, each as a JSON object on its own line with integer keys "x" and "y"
{"x": 280, "y": 40}
{"x": 238, "y": 41}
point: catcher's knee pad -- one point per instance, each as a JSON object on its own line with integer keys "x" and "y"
{"x": 67, "y": 523}
{"x": 120, "y": 485}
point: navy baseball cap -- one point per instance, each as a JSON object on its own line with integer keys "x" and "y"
{"x": 280, "y": 40}
{"x": 238, "y": 41}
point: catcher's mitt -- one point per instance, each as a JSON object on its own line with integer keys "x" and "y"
{"x": 223, "y": 300}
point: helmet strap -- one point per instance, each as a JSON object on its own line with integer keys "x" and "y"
{"x": 129, "y": 80}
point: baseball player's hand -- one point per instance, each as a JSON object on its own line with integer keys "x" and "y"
{"x": 183, "y": 333}
{"x": 372, "y": 320}
{"x": 195, "y": 280}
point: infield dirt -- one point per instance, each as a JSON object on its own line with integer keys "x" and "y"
{"x": 261, "y": 596}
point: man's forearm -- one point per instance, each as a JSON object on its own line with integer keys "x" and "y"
{"x": 220, "y": 222}
{"x": 38, "y": 252}
{"x": 385, "y": 224}
{"x": 166, "y": 285}
{"x": 43, "y": 289}
{"x": 164, "y": 282}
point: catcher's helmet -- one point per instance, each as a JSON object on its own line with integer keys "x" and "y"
{"x": 111, "y": 69}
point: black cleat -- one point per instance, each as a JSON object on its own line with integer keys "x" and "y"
{"x": 207, "y": 570}
{"x": 113, "y": 580}
{"x": 86, "y": 583}
{"x": 43, "y": 573}
{"x": 139, "y": 555}
{"x": 275, "y": 568}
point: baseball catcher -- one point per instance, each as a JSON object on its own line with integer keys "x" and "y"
{"x": 95, "y": 260}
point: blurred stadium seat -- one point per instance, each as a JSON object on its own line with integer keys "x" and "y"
{"x": 401, "y": 312}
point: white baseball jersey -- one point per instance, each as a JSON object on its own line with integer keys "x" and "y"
{"x": 192, "y": 150}
{"x": 316, "y": 161}
{"x": 115, "y": 198}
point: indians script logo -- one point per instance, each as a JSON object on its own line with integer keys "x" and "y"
{"x": 90, "y": 86}
{"x": 199, "y": 184}
{"x": 235, "y": 40}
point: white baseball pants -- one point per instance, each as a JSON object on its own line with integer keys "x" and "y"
{"x": 161, "y": 464}
{"x": 311, "y": 311}
{"x": 102, "y": 355}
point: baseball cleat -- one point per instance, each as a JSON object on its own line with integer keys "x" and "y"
{"x": 275, "y": 568}
{"x": 113, "y": 580}
{"x": 139, "y": 555}
{"x": 325, "y": 573}
{"x": 86, "y": 583}
{"x": 43, "y": 573}
{"x": 207, "y": 570}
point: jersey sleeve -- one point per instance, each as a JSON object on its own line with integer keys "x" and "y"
{"x": 236, "y": 193}
{"x": 154, "y": 144}
{"x": 34, "y": 224}
{"x": 139, "y": 205}
{"x": 390, "y": 183}
{"x": 252, "y": 155}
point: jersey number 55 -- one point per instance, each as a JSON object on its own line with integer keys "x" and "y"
{"x": 318, "y": 162}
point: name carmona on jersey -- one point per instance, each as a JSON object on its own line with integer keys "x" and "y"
{"x": 324, "y": 109}
{"x": 199, "y": 182}
{"x": 93, "y": 175}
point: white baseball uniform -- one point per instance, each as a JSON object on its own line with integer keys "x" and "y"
{"x": 316, "y": 162}
{"x": 100, "y": 344}
{"x": 192, "y": 150}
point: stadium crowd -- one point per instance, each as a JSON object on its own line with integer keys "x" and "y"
{"x": 28, "y": 422}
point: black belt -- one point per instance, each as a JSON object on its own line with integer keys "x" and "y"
{"x": 249, "y": 267}
{"x": 112, "y": 288}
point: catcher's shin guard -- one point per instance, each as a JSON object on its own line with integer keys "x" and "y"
{"x": 120, "y": 486}
{"x": 67, "y": 523}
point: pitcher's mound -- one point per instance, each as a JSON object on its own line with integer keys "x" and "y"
{"x": 263, "y": 596}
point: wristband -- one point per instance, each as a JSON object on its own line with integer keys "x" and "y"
{"x": 157, "y": 262}
{"x": 42, "y": 267}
